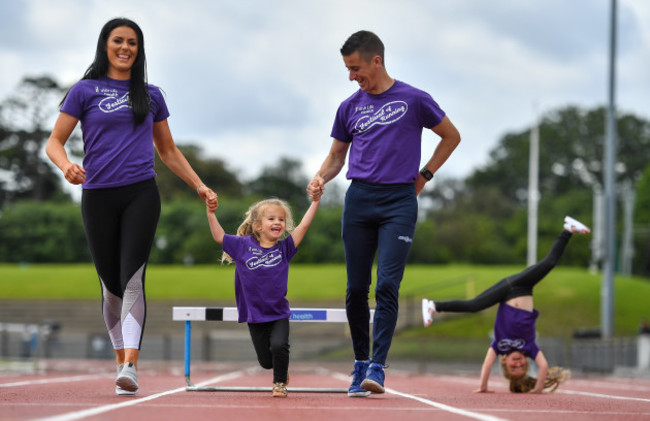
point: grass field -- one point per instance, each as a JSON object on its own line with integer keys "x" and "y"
{"x": 569, "y": 298}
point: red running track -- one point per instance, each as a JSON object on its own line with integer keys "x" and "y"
{"x": 69, "y": 390}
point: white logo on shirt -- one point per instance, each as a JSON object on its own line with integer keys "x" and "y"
{"x": 387, "y": 114}
{"x": 270, "y": 259}
{"x": 113, "y": 103}
{"x": 505, "y": 345}
{"x": 255, "y": 251}
{"x": 365, "y": 109}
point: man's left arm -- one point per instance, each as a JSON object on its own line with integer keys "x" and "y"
{"x": 449, "y": 140}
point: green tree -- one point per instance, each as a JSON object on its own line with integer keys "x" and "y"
{"x": 642, "y": 211}
{"x": 323, "y": 243}
{"x": 571, "y": 153}
{"x": 284, "y": 180}
{"x": 39, "y": 232}
{"x": 183, "y": 234}
{"x": 428, "y": 245}
{"x": 466, "y": 224}
{"x": 180, "y": 221}
{"x": 24, "y": 117}
{"x": 642, "y": 226}
{"x": 483, "y": 218}
{"x": 213, "y": 173}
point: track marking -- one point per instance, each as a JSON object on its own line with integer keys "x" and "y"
{"x": 618, "y": 385}
{"x": 444, "y": 407}
{"x": 429, "y": 402}
{"x": 54, "y": 380}
{"x": 602, "y": 395}
{"x": 101, "y": 409}
{"x": 559, "y": 413}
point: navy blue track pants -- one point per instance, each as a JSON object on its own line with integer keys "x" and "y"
{"x": 377, "y": 220}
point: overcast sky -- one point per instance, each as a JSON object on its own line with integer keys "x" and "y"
{"x": 253, "y": 80}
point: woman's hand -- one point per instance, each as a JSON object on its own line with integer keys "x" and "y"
{"x": 75, "y": 174}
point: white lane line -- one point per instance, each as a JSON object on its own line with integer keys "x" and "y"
{"x": 438, "y": 405}
{"x": 613, "y": 385}
{"x": 602, "y": 395}
{"x": 55, "y": 380}
{"x": 101, "y": 409}
{"x": 549, "y": 412}
{"x": 347, "y": 408}
{"x": 447, "y": 408}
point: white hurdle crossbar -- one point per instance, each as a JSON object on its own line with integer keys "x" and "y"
{"x": 230, "y": 314}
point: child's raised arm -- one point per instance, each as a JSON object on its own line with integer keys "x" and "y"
{"x": 299, "y": 232}
{"x": 490, "y": 358}
{"x": 215, "y": 227}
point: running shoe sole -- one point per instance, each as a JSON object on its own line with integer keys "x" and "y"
{"x": 575, "y": 226}
{"x": 372, "y": 386}
{"x": 128, "y": 379}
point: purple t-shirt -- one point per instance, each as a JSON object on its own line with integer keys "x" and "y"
{"x": 261, "y": 277}
{"x": 514, "y": 330}
{"x": 116, "y": 152}
{"x": 386, "y": 132}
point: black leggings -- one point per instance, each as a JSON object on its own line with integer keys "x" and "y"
{"x": 514, "y": 286}
{"x": 120, "y": 225}
{"x": 271, "y": 342}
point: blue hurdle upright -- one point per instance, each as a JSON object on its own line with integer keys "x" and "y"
{"x": 230, "y": 314}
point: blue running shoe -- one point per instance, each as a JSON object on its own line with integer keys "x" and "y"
{"x": 374, "y": 381}
{"x": 358, "y": 374}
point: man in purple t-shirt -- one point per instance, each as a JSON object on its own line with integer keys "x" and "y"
{"x": 381, "y": 125}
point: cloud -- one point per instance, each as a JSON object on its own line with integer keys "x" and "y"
{"x": 253, "y": 80}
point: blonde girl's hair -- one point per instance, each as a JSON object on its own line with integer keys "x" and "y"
{"x": 526, "y": 383}
{"x": 254, "y": 216}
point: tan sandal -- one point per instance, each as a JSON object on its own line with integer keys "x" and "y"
{"x": 280, "y": 390}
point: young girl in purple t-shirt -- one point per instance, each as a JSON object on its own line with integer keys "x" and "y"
{"x": 262, "y": 253}
{"x": 514, "y": 326}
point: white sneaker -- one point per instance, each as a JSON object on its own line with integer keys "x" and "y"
{"x": 127, "y": 381}
{"x": 428, "y": 308}
{"x": 119, "y": 390}
{"x": 575, "y": 226}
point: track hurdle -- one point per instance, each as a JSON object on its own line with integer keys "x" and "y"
{"x": 230, "y": 314}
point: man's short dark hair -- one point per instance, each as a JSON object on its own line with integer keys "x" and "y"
{"x": 366, "y": 43}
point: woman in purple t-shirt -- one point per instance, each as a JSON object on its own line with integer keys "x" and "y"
{"x": 514, "y": 326}
{"x": 262, "y": 254}
{"x": 122, "y": 119}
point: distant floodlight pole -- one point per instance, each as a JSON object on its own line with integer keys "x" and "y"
{"x": 533, "y": 192}
{"x": 607, "y": 290}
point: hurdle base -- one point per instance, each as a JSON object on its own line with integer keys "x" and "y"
{"x": 264, "y": 389}
{"x": 188, "y": 381}
{"x": 188, "y": 314}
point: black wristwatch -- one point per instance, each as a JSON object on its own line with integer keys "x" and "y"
{"x": 428, "y": 175}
